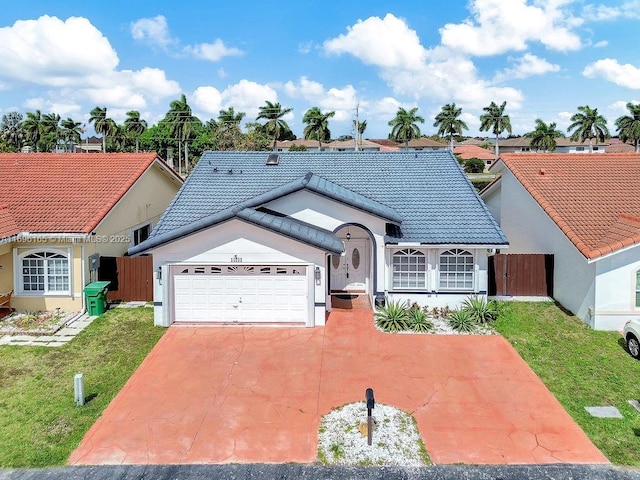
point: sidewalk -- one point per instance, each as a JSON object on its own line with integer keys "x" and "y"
{"x": 61, "y": 337}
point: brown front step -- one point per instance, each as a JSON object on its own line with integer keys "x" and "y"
{"x": 349, "y": 301}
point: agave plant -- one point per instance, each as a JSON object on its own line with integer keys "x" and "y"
{"x": 480, "y": 310}
{"x": 392, "y": 317}
{"x": 462, "y": 321}
{"x": 419, "y": 321}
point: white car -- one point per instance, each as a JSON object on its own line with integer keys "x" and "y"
{"x": 631, "y": 334}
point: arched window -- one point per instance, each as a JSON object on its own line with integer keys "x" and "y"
{"x": 45, "y": 272}
{"x": 409, "y": 269}
{"x": 456, "y": 270}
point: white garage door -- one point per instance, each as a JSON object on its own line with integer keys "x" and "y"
{"x": 241, "y": 294}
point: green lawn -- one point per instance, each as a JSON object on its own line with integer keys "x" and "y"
{"x": 582, "y": 368}
{"x": 39, "y": 422}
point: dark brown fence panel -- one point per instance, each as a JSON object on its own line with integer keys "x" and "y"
{"x": 131, "y": 278}
{"x": 521, "y": 275}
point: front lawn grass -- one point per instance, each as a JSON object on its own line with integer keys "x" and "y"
{"x": 582, "y": 368}
{"x": 40, "y": 424}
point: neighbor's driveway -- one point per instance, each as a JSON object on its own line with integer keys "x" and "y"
{"x": 251, "y": 394}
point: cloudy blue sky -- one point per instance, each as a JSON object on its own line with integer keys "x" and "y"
{"x": 543, "y": 57}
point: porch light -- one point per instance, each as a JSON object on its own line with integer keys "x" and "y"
{"x": 348, "y": 236}
{"x": 318, "y": 275}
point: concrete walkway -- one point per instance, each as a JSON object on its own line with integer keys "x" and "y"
{"x": 257, "y": 395}
{"x": 57, "y": 339}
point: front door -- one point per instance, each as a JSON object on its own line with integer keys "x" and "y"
{"x": 349, "y": 271}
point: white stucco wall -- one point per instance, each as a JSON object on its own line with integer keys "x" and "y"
{"x": 224, "y": 245}
{"x": 615, "y": 301}
{"x": 331, "y": 215}
{"x": 600, "y": 293}
{"x": 434, "y": 296}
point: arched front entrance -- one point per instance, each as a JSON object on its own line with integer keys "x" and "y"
{"x": 351, "y": 271}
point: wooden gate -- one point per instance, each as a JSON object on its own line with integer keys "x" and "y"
{"x": 131, "y": 278}
{"x": 521, "y": 275}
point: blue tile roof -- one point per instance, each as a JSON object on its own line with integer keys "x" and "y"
{"x": 427, "y": 193}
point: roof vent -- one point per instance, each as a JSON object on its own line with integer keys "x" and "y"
{"x": 273, "y": 159}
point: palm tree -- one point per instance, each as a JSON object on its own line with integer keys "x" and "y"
{"x": 359, "y": 127}
{"x": 495, "y": 120}
{"x": 182, "y": 123}
{"x": 33, "y": 127}
{"x": 70, "y": 132}
{"x": 588, "y": 124}
{"x": 449, "y": 123}
{"x": 230, "y": 118}
{"x": 51, "y": 131}
{"x": 273, "y": 113}
{"x": 544, "y": 136}
{"x": 317, "y": 125}
{"x": 628, "y": 126}
{"x": 135, "y": 126}
{"x": 11, "y": 130}
{"x": 102, "y": 124}
{"x": 404, "y": 126}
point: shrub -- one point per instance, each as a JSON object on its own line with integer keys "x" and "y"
{"x": 392, "y": 317}
{"x": 480, "y": 310}
{"x": 461, "y": 321}
{"x": 418, "y": 321}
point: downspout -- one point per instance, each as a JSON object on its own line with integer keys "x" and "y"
{"x": 83, "y": 278}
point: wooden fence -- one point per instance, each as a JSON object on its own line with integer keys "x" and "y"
{"x": 521, "y": 275}
{"x": 131, "y": 278}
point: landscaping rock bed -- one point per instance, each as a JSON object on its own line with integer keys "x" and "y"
{"x": 35, "y": 323}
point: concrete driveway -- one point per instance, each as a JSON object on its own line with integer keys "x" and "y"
{"x": 256, "y": 395}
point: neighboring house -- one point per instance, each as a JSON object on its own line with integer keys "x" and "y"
{"x": 467, "y": 152}
{"x": 311, "y": 145}
{"x": 423, "y": 143}
{"x": 91, "y": 144}
{"x": 350, "y": 146}
{"x": 386, "y": 145}
{"x": 586, "y": 216}
{"x": 255, "y": 237}
{"x": 58, "y": 209}
{"x": 563, "y": 145}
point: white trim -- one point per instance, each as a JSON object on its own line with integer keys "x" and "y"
{"x": 18, "y": 255}
{"x": 610, "y": 254}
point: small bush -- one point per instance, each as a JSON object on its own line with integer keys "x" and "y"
{"x": 393, "y": 317}
{"x": 462, "y": 321}
{"x": 418, "y": 321}
{"x": 480, "y": 310}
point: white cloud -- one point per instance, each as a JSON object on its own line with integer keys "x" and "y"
{"x": 601, "y": 44}
{"x": 152, "y": 30}
{"x": 305, "y": 47}
{"x": 207, "y": 99}
{"x": 499, "y": 26}
{"x": 437, "y": 74}
{"x": 212, "y": 52}
{"x": 46, "y": 106}
{"x": 46, "y": 51}
{"x": 73, "y": 72}
{"x": 629, "y": 9}
{"x": 526, "y": 66}
{"x": 340, "y": 100}
{"x": 626, "y": 75}
{"x": 385, "y": 42}
{"x": 385, "y": 108}
{"x": 245, "y": 96}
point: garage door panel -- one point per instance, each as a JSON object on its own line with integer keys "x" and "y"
{"x": 251, "y": 295}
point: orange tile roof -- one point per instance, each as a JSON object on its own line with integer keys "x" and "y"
{"x": 473, "y": 151}
{"x": 593, "y": 198}
{"x": 64, "y": 193}
{"x": 8, "y": 227}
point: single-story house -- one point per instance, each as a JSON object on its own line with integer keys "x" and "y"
{"x": 257, "y": 237}
{"x": 56, "y": 210}
{"x": 587, "y": 216}
{"x": 467, "y": 152}
{"x": 563, "y": 145}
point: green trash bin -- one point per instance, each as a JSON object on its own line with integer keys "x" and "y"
{"x": 96, "y": 296}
